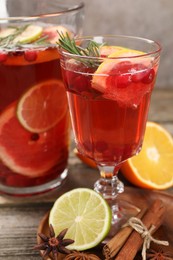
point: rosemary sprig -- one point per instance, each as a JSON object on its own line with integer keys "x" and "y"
{"x": 42, "y": 41}
{"x": 91, "y": 50}
{"x": 7, "y": 42}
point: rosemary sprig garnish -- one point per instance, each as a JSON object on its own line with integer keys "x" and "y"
{"x": 91, "y": 50}
{"x": 42, "y": 41}
{"x": 7, "y": 42}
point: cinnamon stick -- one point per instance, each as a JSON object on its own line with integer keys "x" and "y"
{"x": 154, "y": 216}
{"x": 114, "y": 245}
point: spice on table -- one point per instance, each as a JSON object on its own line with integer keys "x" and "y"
{"x": 114, "y": 245}
{"x": 81, "y": 256}
{"x": 159, "y": 255}
{"x": 54, "y": 244}
{"x": 153, "y": 217}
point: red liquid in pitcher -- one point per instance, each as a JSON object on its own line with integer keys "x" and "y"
{"x": 34, "y": 121}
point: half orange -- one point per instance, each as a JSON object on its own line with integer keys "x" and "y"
{"x": 152, "y": 168}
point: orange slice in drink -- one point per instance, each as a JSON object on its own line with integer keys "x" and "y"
{"x": 42, "y": 106}
{"x": 125, "y": 79}
{"x": 31, "y": 56}
{"x": 152, "y": 168}
{"x": 31, "y": 154}
{"x": 107, "y": 50}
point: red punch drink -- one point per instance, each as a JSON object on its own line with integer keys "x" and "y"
{"x": 109, "y": 81}
{"x": 109, "y": 103}
{"x": 34, "y": 117}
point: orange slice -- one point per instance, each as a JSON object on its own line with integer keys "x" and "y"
{"x": 107, "y": 50}
{"x": 124, "y": 79}
{"x": 41, "y": 56}
{"x": 106, "y": 68}
{"x": 42, "y": 106}
{"x": 85, "y": 159}
{"x": 27, "y": 154}
{"x": 152, "y": 168}
{"x": 52, "y": 33}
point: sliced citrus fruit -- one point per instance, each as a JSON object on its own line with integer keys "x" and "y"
{"x": 6, "y": 32}
{"x": 40, "y": 56}
{"x": 29, "y": 154}
{"x": 42, "y": 106}
{"x": 52, "y": 32}
{"x": 85, "y": 159}
{"x": 125, "y": 80}
{"x": 107, "y": 50}
{"x": 86, "y": 215}
{"x": 153, "y": 167}
{"x": 30, "y": 34}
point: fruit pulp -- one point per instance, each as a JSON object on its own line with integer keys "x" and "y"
{"x": 109, "y": 124}
{"x": 29, "y": 158}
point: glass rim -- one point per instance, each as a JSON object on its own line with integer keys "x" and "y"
{"x": 154, "y": 52}
{"x": 71, "y": 8}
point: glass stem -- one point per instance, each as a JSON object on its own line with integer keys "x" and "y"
{"x": 108, "y": 185}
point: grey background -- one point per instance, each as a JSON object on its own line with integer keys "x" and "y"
{"x": 151, "y": 19}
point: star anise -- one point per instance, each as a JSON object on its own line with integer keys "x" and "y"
{"x": 81, "y": 256}
{"x": 54, "y": 244}
{"x": 159, "y": 255}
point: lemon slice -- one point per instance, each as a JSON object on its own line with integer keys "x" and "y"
{"x": 86, "y": 215}
{"x": 30, "y": 34}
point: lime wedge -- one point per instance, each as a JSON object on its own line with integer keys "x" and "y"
{"x": 86, "y": 215}
{"x": 30, "y": 34}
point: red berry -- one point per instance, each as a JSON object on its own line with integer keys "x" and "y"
{"x": 149, "y": 77}
{"x": 138, "y": 72}
{"x": 3, "y": 56}
{"x": 124, "y": 73}
{"x": 124, "y": 67}
{"x": 30, "y": 55}
{"x": 123, "y": 80}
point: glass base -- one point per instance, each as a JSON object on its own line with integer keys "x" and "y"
{"x": 30, "y": 191}
{"x": 121, "y": 210}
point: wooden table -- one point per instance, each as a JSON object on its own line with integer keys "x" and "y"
{"x": 19, "y": 218}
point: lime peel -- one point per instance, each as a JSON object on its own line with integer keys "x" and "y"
{"x": 91, "y": 219}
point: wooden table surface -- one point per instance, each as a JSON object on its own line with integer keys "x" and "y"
{"x": 19, "y": 218}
